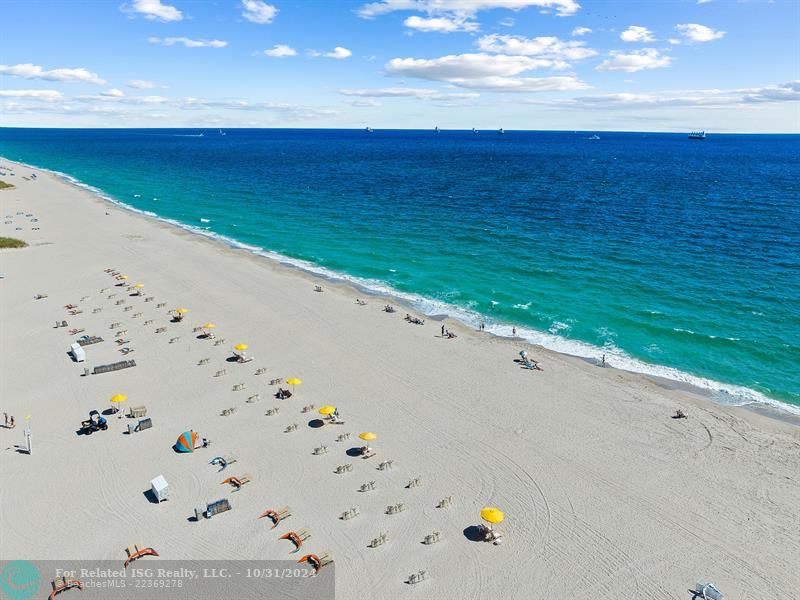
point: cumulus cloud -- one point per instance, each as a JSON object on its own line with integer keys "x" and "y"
{"x": 338, "y": 53}
{"x": 698, "y": 33}
{"x": 579, "y": 31}
{"x": 29, "y": 71}
{"x": 141, "y": 84}
{"x": 280, "y": 51}
{"x": 440, "y": 24}
{"x": 507, "y": 22}
{"x": 545, "y": 47}
{"x": 495, "y": 72}
{"x": 405, "y": 92}
{"x": 630, "y": 62}
{"x": 463, "y": 7}
{"x": 154, "y": 10}
{"x": 712, "y": 98}
{"x": 259, "y": 12}
{"x": 637, "y": 33}
{"x": 189, "y": 43}
{"x": 41, "y": 95}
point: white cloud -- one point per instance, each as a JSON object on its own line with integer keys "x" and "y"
{"x": 440, "y": 24}
{"x": 579, "y": 31}
{"x": 462, "y": 7}
{"x": 189, "y": 43}
{"x": 338, "y": 53}
{"x": 640, "y": 60}
{"x": 288, "y": 111}
{"x": 711, "y": 99}
{"x": 29, "y": 71}
{"x": 704, "y": 1}
{"x": 637, "y": 33}
{"x": 495, "y": 72}
{"x": 507, "y": 22}
{"x": 404, "y": 92}
{"x": 674, "y": 41}
{"x": 118, "y": 97}
{"x": 141, "y": 84}
{"x": 364, "y": 103}
{"x": 280, "y": 51}
{"x": 42, "y": 95}
{"x": 545, "y": 47}
{"x": 154, "y": 10}
{"x": 259, "y": 12}
{"x": 698, "y": 33}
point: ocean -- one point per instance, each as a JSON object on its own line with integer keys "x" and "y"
{"x": 669, "y": 256}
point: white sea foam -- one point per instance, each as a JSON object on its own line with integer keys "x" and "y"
{"x": 722, "y": 393}
{"x": 205, "y": 220}
{"x": 525, "y": 306}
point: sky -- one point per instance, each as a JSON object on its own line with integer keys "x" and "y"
{"x": 593, "y": 65}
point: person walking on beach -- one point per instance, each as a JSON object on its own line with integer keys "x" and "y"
{"x": 442, "y": 330}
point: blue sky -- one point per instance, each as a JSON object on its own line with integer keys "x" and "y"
{"x": 670, "y": 65}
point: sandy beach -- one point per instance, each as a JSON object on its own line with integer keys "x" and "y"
{"x": 604, "y": 494}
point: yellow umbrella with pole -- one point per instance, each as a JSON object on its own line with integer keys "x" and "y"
{"x": 241, "y": 347}
{"x": 118, "y": 399}
{"x": 179, "y": 312}
{"x": 293, "y": 382}
{"x": 492, "y": 515}
{"x": 327, "y": 410}
{"x": 209, "y": 326}
{"x": 206, "y": 328}
{"x": 368, "y": 436}
{"x": 139, "y": 286}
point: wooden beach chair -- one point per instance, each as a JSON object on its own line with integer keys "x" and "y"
{"x": 297, "y": 538}
{"x": 62, "y": 584}
{"x": 317, "y": 561}
{"x": 137, "y": 412}
{"x": 237, "y": 482}
{"x": 135, "y": 552}
{"x": 276, "y": 516}
{"x": 217, "y": 507}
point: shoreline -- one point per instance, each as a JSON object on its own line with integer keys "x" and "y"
{"x": 743, "y": 398}
{"x": 599, "y": 484}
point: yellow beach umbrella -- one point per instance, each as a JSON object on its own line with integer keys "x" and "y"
{"x": 327, "y": 410}
{"x": 139, "y": 286}
{"x": 367, "y": 436}
{"x": 493, "y": 515}
{"x": 123, "y": 276}
{"x": 293, "y": 381}
{"x": 241, "y": 347}
{"x": 209, "y": 326}
{"x": 181, "y": 311}
{"x": 119, "y": 399}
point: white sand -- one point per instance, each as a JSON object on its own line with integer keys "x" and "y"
{"x": 605, "y": 495}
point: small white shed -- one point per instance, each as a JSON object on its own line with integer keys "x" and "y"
{"x": 160, "y": 488}
{"x": 78, "y": 352}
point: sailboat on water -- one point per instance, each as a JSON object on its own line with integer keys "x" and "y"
{"x": 501, "y": 131}
{"x": 222, "y": 132}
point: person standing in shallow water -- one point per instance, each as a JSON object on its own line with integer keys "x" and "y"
{"x": 514, "y": 331}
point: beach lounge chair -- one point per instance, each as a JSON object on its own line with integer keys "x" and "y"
{"x": 367, "y": 452}
{"x": 222, "y": 461}
{"x": 70, "y": 306}
{"x": 491, "y": 535}
{"x": 62, "y": 584}
{"x": 276, "y": 516}
{"x": 40, "y": 296}
{"x": 76, "y": 331}
{"x": 237, "y": 482}
{"x": 707, "y": 591}
{"x": 217, "y": 507}
{"x": 317, "y": 561}
{"x": 135, "y": 552}
{"x": 297, "y": 538}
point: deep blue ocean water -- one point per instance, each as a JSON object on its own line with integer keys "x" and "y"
{"x": 673, "y": 257}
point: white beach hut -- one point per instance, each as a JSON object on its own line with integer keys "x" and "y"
{"x": 160, "y": 488}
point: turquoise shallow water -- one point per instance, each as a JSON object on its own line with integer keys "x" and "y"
{"x": 672, "y": 257}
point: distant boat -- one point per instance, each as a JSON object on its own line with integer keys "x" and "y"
{"x": 474, "y": 130}
{"x": 501, "y": 131}
{"x": 222, "y": 132}
{"x": 697, "y": 135}
{"x": 369, "y": 129}
{"x": 436, "y": 129}
{"x": 594, "y": 137}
